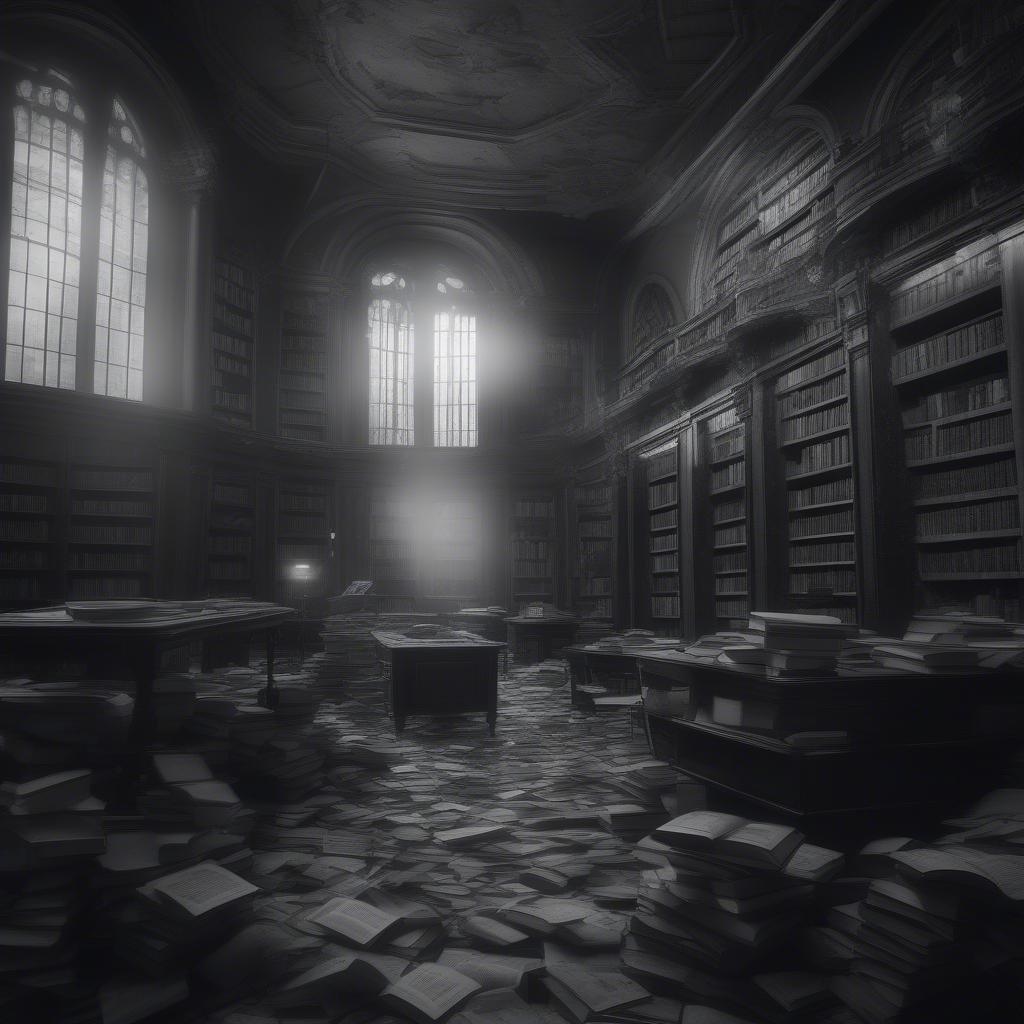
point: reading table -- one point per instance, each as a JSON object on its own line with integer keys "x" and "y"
{"x": 534, "y": 639}
{"x": 48, "y": 634}
{"x": 444, "y": 675}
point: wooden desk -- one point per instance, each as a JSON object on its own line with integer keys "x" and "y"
{"x": 584, "y": 663}
{"x": 46, "y": 634}
{"x": 533, "y": 640}
{"x": 442, "y": 676}
{"x": 911, "y": 736}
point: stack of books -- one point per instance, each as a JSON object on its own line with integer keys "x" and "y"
{"x": 786, "y": 645}
{"x": 724, "y": 897}
{"x": 184, "y": 914}
{"x": 927, "y": 658}
{"x": 188, "y": 797}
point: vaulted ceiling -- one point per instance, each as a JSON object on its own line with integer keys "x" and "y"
{"x": 568, "y": 106}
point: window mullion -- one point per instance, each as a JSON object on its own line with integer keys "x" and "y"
{"x": 92, "y": 200}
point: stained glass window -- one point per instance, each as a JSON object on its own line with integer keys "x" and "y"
{"x": 392, "y": 351}
{"x": 124, "y": 245}
{"x": 46, "y": 233}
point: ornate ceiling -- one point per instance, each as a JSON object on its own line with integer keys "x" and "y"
{"x": 553, "y": 105}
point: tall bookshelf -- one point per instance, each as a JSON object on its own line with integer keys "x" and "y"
{"x": 723, "y": 560}
{"x": 30, "y": 494}
{"x": 233, "y": 342}
{"x": 593, "y": 572}
{"x": 302, "y": 383}
{"x": 662, "y": 492}
{"x": 304, "y": 525}
{"x": 950, "y": 373}
{"x": 230, "y": 537}
{"x": 812, "y": 431}
{"x": 559, "y": 394}
{"x": 532, "y": 533}
{"x": 111, "y": 533}
{"x": 450, "y": 564}
{"x": 392, "y": 551}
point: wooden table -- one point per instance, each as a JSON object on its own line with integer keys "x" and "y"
{"x": 46, "y": 634}
{"x": 584, "y": 662}
{"x": 912, "y": 738}
{"x": 439, "y": 675}
{"x": 536, "y": 639}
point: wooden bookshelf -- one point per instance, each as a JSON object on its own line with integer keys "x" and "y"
{"x": 778, "y": 216}
{"x": 812, "y": 434}
{"x": 230, "y": 537}
{"x": 30, "y": 493}
{"x": 304, "y": 525}
{"x": 559, "y": 384}
{"x": 393, "y": 566}
{"x": 532, "y": 539}
{"x": 951, "y": 378}
{"x": 233, "y": 343}
{"x": 302, "y": 379}
{"x": 661, "y": 472}
{"x": 111, "y": 532}
{"x": 722, "y": 557}
{"x": 593, "y": 566}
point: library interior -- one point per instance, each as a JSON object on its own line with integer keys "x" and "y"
{"x": 510, "y": 511}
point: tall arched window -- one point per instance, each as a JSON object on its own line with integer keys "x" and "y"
{"x": 392, "y": 373}
{"x": 124, "y": 244}
{"x": 52, "y": 171}
{"x": 46, "y": 233}
{"x": 432, "y": 303}
{"x": 455, "y": 420}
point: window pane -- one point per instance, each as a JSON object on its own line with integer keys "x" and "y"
{"x": 46, "y": 209}
{"x": 121, "y": 299}
{"x": 455, "y": 422}
{"x": 391, "y": 372}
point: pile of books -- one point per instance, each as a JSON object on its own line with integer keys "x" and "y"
{"x": 937, "y": 935}
{"x": 723, "y": 897}
{"x": 187, "y": 797}
{"x": 787, "y": 645}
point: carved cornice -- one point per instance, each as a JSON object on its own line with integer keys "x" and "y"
{"x": 190, "y": 169}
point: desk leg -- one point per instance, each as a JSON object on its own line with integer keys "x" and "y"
{"x": 272, "y": 695}
{"x": 399, "y": 724}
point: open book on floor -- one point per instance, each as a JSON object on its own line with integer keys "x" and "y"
{"x": 429, "y": 992}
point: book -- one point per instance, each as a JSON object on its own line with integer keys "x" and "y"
{"x": 201, "y": 889}
{"x": 429, "y": 992}
{"x": 344, "y": 973}
{"x": 731, "y": 837}
{"x": 354, "y": 921}
{"x": 587, "y": 994}
{"x": 55, "y": 792}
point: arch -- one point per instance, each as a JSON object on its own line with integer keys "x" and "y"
{"x": 885, "y": 100}
{"x": 652, "y": 307}
{"x": 499, "y": 261}
{"x": 737, "y": 177}
{"x": 151, "y": 80}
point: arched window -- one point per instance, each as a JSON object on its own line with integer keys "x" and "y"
{"x": 46, "y": 233}
{"x": 51, "y": 174}
{"x": 440, "y": 304}
{"x": 123, "y": 247}
{"x": 392, "y": 350}
{"x": 455, "y": 422}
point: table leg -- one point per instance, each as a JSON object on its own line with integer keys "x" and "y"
{"x": 399, "y": 724}
{"x": 492, "y": 723}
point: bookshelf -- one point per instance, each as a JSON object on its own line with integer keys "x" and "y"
{"x": 661, "y": 473}
{"x": 722, "y": 473}
{"x": 392, "y": 551}
{"x": 812, "y": 432}
{"x": 951, "y": 378}
{"x": 302, "y": 380}
{"x": 559, "y": 394}
{"x": 593, "y": 570}
{"x": 230, "y": 537}
{"x": 233, "y": 345}
{"x": 30, "y": 491}
{"x": 532, "y": 530}
{"x": 450, "y": 565}
{"x": 304, "y": 525}
{"x": 111, "y": 532}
